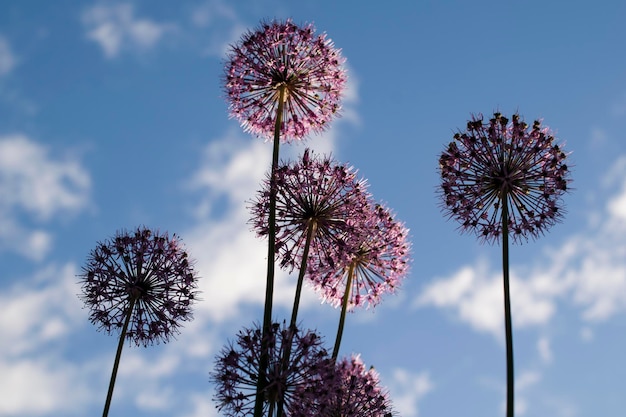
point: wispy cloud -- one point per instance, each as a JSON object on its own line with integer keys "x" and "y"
{"x": 116, "y": 28}
{"x": 33, "y": 181}
{"x": 7, "y": 58}
{"x": 39, "y": 314}
{"x": 407, "y": 390}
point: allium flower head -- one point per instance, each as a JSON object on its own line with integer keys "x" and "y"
{"x": 282, "y": 55}
{"x": 378, "y": 257}
{"x": 351, "y": 390}
{"x": 147, "y": 271}
{"x": 312, "y": 190}
{"x": 496, "y": 160}
{"x": 237, "y": 368}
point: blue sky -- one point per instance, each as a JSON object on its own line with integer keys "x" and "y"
{"x": 112, "y": 116}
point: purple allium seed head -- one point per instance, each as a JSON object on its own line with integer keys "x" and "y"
{"x": 351, "y": 390}
{"x": 150, "y": 268}
{"x": 283, "y": 55}
{"x": 498, "y": 158}
{"x": 378, "y": 253}
{"x": 312, "y": 190}
{"x": 237, "y": 368}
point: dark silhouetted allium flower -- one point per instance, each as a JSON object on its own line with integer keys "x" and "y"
{"x": 312, "y": 191}
{"x": 378, "y": 256}
{"x": 146, "y": 270}
{"x": 350, "y": 391}
{"x": 237, "y": 369}
{"x": 282, "y": 55}
{"x": 494, "y": 159}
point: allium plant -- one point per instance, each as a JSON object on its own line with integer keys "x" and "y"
{"x": 496, "y": 167}
{"x": 350, "y": 390}
{"x": 282, "y": 81}
{"x": 375, "y": 263}
{"x": 140, "y": 284}
{"x": 503, "y": 178}
{"x": 319, "y": 204}
{"x": 237, "y": 370}
{"x": 284, "y": 72}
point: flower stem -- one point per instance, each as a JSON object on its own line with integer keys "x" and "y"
{"x": 118, "y": 355}
{"x": 271, "y": 249}
{"x": 344, "y": 309}
{"x": 310, "y": 235}
{"x": 508, "y": 327}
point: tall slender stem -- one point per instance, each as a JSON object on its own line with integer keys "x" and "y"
{"x": 344, "y": 309}
{"x": 271, "y": 249}
{"x": 118, "y": 355}
{"x": 310, "y": 235}
{"x": 508, "y": 327}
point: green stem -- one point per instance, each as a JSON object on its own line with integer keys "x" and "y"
{"x": 344, "y": 309}
{"x": 118, "y": 355}
{"x": 310, "y": 235}
{"x": 271, "y": 249}
{"x": 508, "y": 327}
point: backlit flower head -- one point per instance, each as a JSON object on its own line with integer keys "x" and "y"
{"x": 378, "y": 255}
{"x": 283, "y": 55}
{"x": 146, "y": 270}
{"x": 351, "y": 390}
{"x": 312, "y": 190}
{"x": 237, "y": 369}
{"x": 499, "y": 159}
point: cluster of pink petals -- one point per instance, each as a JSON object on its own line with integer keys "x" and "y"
{"x": 496, "y": 159}
{"x": 295, "y": 383}
{"x": 315, "y": 191}
{"x": 150, "y": 268}
{"x": 350, "y": 390}
{"x": 283, "y": 55}
{"x": 378, "y": 255}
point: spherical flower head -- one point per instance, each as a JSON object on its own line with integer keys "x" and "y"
{"x": 312, "y": 192}
{"x": 496, "y": 160}
{"x": 237, "y": 370}
{"x": 283, "y": 56}
{"x": 377, "y": 256}
{"x": 351, "y": 391}
{"x": 143, "y": 270}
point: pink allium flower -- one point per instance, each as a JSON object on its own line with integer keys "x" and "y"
{"x": 312, "y": 191}
{"x": 378, "y": 256}
{"x": 147, "y": 270}
{"x": 494, "y": 159}
{"x": 284, "y": 55}
{"x": 350, "y": 390}
{"x": 237, "y": 368}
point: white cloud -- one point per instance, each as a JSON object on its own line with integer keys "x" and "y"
{"x": 525, "y": 381}
{"x": 39, "y": 310}
{"x": 586, "y": 334}
{"x": 7, "y": 59}
{"x": 33, "y": 181}
{"x": 39, "y": 313}
{"x": 476, "y": 295}
{"x": 42, "y": 386}
{"x": 544, "y": 349}
{"x": 212, "y": 12}
{"x": 115, "y": 28}
{"x": 407, "y": 389}
{"x": 202, "y": 405}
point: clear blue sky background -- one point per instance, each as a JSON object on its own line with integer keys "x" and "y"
{"x": 112, "y": 116}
